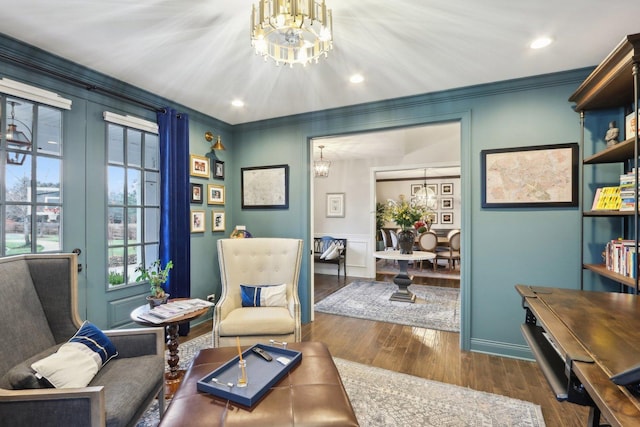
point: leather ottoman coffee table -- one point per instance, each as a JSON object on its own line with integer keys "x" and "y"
{"x": 311, "y": 394}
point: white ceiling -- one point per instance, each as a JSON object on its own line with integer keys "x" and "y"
{"x": 197, "y": 52}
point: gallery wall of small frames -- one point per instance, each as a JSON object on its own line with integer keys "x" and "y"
{"x": 202, "y": 167}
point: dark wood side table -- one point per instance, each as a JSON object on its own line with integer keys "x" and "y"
{"x": 174, "y": 376}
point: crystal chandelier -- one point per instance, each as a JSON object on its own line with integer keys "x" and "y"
{"x": 291, "y": 31}
{"x": 425, "y": 196}
{"x": 321, "y": 167}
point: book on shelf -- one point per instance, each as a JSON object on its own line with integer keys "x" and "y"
{"x": 621, "y": 257}
{"x": 608, "y": 199}
{"x": 173, "y": 309}
{"x": 596, "y": 199}
{"x": 628, "y": 191}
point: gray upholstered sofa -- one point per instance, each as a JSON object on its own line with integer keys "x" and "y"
{"x": 38, "y": 313}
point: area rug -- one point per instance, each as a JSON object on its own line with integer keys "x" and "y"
{"x": 382, "y": 398}
{"x": 435, "y": 307}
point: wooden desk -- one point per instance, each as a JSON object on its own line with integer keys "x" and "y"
{"x": 596, "y": 335}
{"x": 174, "y": 376}
{"x": 402, "y": 279}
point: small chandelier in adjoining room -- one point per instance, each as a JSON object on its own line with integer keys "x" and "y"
{"x": 425, "y": 196}
{"x": 321, "y": 167}
{"x": 291, "y": 31}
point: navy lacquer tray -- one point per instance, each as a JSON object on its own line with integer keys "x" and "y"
{"x": 261, "y": 374}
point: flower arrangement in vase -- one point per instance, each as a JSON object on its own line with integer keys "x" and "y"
{"x": 157, "y": 277}
{"x": 405, "y": 214}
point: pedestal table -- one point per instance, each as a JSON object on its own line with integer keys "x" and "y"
{"x": 173, "y": 377}
{"x": 402, "y": 279}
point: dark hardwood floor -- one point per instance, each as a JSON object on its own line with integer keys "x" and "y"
{"x": 430, "y": 354}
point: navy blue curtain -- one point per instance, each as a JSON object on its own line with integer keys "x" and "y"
{"x": 174, "y": 195}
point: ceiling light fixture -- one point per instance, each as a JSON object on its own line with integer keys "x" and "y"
{"x": 425, "y": 196}
{"x": 16, "y": 139}
{"x": 541, "y": 42}
{"x": 291, "y": 31}
{"x": 356, "y": 78}
{"x": 208, "y": 135}
{"x": 321, "y": 167}
{"x": 237, "y": 103}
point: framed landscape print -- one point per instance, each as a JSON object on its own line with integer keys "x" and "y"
{"x": 197, "y": 221}
{"x": 217, "y": 221}
{"x": 199, "y": 166}
{"x": 524, "y": 177}
{"x": 265, "y": 187}
{"x": 196, "y": 193}
{"x": 215, "y": 194}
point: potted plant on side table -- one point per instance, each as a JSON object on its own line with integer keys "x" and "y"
{"x": 157, "y": 276}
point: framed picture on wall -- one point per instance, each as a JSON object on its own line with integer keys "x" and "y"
{"x": 265, "y": 187}
{"x": 217, "y": 221}
{"x": 218, "y": 169}
{"x": 215, "y": 194}
{"x": 199, "y": 166}
{"x": 196, "y": 193}
{"x": 524, "y": 177}
{"x": 446, "y": 217}
{"x": 335, "y": 205}
{"x": 433, "y": 216}
{"x": 197, "y": 221}
{"x": 446, "y": 189}
{"x": 446, "y": 203}
{"x": 415, "y": 188}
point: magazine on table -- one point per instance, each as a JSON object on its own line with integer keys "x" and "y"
{"x": 173, "y": 309}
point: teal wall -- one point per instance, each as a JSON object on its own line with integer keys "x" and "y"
{"x": 501, "y": 247}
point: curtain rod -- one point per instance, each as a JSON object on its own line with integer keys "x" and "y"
{"x": 78, "y": 82}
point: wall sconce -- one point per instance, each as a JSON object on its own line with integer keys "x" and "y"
{"x": 208, "y": 135}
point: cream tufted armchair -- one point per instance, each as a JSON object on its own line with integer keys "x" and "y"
{"x": 267, "y": 264}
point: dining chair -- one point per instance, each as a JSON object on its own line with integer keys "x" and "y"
{"x": 428, "y": 242}
{"x": 394, "y": 240}
{"x": 452, "y": 253}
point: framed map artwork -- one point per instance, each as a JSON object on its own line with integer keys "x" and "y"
{"x": 265, "y": 187}
{"x": 524, "y": 177}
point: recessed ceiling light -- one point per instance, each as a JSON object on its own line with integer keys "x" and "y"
{"x": 237, "y": 103}
{"x": 541, "y": 42}
{"x": 356, "y": 78}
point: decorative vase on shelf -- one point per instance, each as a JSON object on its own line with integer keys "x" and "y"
{"x": 406, "y": 239}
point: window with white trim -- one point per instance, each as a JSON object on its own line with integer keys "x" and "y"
{"x": 31, "y": 170}
{"x": 133, "y": 197}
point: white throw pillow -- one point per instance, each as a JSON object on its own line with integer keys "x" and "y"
{"x": 335, "y": 253}
{"x": 329, "y": 250}
{"x": 77, "y": 361}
